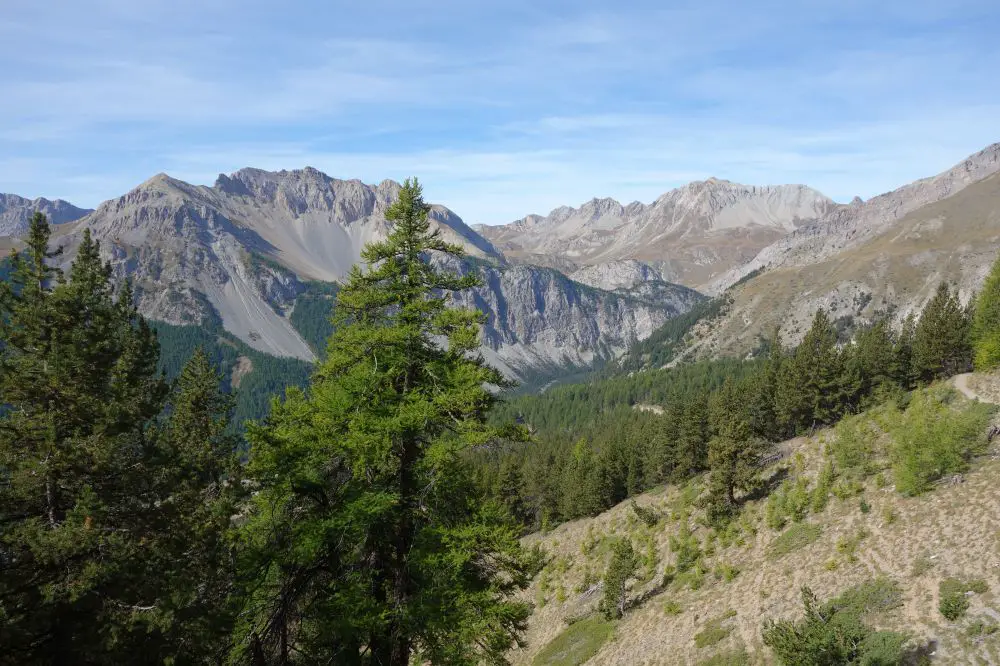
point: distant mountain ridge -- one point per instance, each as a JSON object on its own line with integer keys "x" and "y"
{"x": 691, "y": 234}
{"x": 245, "y": 249}
{"x": 16, "y": 211}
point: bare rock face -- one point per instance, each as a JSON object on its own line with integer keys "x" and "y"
{"x": 15, "y": 212}
{"x": 699, "y": 231}
{"x": 242, "y": 249}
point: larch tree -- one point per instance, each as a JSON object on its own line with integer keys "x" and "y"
{"x": 366, "y": 542}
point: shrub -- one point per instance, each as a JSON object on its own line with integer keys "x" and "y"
{"x": 715, "y": 631}
{"x": 576, "y": 644}
{"x": 853, "y": 446}
{"x": 933, "y": 438}
{"x": 795, "y": 537}
{"x": 726, "y": 572}
{"x": 686, "y": 548}
{"x": 824, "y": 484}
{"x": 790, "y": 501}
{"x": 982, "y": 627}
{"x": 921, "y": 565}
{"x": 952, "y": 599}
{"x": 648, "y": 516}
{"x": 672, "y": 608}
{"x": 834, "y": 632}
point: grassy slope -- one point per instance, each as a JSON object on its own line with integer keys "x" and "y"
{"x": 952, "y": 531}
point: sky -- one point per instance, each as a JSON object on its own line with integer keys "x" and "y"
{"x": 500, "y": 108}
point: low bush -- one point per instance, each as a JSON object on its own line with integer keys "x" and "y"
{"x": 835, "y": 632}
{"x": 576, "y": 644}
{"x": 953, "y": 596}
{"x": 797, "y": 536}
{"x": 715, "y": 631}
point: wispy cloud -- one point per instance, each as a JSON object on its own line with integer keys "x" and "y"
{"x": 503, "y": 108}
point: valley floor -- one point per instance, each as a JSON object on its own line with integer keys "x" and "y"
{"x": 952, "y": 531}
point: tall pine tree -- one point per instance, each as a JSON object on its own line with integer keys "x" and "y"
{"x": 942, "y": 339}
{"x": 79, "y": 383}
{"x": 367, "y": 543}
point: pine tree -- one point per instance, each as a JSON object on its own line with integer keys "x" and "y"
{"x": 367, "y": 542}
{"x": 690, "y": 450}
{"x": 812, "y": 388}
{"x": 986, "y": 322}
{"x": 734, "y": 452}
{"x": 79, "y": 382}
{"x": 941, "y": 342}
{"x": 584, "y": 485}
{"x": 871, "y": 362}
{"x": 510, "y": 491}
{"x": 903, "y": 371}
{"x": 621, "y": 569}
{"x": 201, "y": 481}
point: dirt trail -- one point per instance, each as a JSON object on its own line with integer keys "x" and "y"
{"x": 961, "y": 383}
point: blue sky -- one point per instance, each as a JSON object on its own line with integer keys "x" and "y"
{"x": 501, "y": 108}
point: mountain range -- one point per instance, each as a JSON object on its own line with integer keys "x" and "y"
{"x": 561, "y": 292}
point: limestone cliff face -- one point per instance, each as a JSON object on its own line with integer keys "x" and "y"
{"x": 243, "y": 248}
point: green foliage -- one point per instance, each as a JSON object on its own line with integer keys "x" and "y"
{"x": 824, "y": 484}
{"x": 735, "y": 451}
{"x": 814, "y": 387}
{"x": 853, "y": 446}
{"x": 790, "y": 502}
{"x": 982, "y": 627}
{"x": 312, "y": 314}
{"x": 671, "y": 607}
{"x": 576, "y": 644}
{"x": 953, "y": 600}
{"x": 942, "y": 339}
{"x": 89, "y": 484}
{"x": 986, "y": 322}
{"x": 714, "y": 631}
{"x": 686, "y": 549}
{"x": 647, "y": 515}
{"x": 366, "y": 535}
{"x": 623, "y": 566}
{"x": 835, "y": 632}
{"x": 935, "y": 437}
{"x": 795, "y": 537}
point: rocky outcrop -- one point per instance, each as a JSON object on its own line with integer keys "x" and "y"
{"x": 15, "y": 212}
{"x": 697, "y": 231}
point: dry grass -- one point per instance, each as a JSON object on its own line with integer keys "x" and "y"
{"x": 953, "y": 531}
